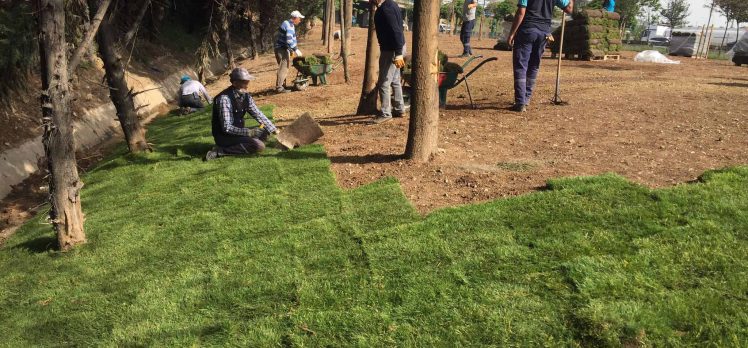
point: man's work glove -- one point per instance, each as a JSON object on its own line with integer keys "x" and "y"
{"x": 297, "y": 52}
{"x": 399, "y": 62}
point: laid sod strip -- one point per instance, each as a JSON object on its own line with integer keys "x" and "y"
{"x": 596, "y": 261}
{"x": 266, "y": 250}
{"x": 338, "y": 305}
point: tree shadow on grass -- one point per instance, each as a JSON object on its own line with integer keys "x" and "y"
{"x": 300, "y": 154}
{"x": 40, "y": 245}
{"x": 189, "y": 149}
{"x": 374, "y": 158}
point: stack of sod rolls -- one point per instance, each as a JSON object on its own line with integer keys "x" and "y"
{"x": 590, "y": 34}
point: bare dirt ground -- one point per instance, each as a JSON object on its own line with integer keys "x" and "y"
{"x": 658, "y": 125}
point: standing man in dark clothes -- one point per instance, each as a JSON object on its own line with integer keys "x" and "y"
{"x": 389, "y": 25}
{"x": 229, "y": 132}
{"x": 468, "y": 23}
{"x": 531, "y": 27}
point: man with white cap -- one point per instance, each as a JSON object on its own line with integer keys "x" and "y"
{"x": 229, "y": 132}
{"x": 286, "y": 47}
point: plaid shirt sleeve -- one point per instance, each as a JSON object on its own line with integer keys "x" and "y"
{"x": 259, "y": 116}
{"x": 228, "y": 118}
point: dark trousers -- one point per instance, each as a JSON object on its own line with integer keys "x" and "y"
{"x": 191, "y": 100}
{"x": 243, "y": 145}
{"x": 465, "y": 33}
{"x": 529, "y": 45}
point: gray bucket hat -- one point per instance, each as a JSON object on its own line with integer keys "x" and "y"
{"x": 241, "y": 74}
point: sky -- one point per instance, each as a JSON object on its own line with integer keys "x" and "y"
{"x": 700, "y": 13}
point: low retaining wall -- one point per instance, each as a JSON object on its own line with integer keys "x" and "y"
{"x": 94, "y": 127}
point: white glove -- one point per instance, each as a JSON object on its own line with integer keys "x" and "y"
{"x": 399, "y": 62}
{"x": 297, "y": 52}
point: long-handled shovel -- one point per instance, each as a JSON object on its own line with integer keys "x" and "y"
{"x": 557, "y": 97}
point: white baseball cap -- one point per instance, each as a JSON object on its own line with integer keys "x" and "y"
{"x": 296, "y": 14}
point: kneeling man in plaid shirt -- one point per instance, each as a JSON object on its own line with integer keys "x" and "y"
{"x": 229, "y": 132}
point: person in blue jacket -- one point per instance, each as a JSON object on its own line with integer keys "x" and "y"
{"x": 609, "y": 5}
{"x": 530, "y": 29}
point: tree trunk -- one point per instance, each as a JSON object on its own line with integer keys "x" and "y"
{"x": 480, "y": 27}
{"x": 253, "y": 46}
{"x": 424, "y": 113}
{"x": 136, "y": 24}
{"x": 66, "y": 213}
{"x": 452, "y": 17}
{"x": 330, "y": 25}
{"x": 346, "y": 18}
{"x": 119, "y": 92}
{"x": 325, "y": 19}
{"x": 367, "y": 104}
{"x": 88, "y": 38}
{"x": 226, "y": 33}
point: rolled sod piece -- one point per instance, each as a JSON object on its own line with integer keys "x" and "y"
{"x": 615, "y": 41}
{"x": 612, "y": 15}
{"x": 588, "y": 14}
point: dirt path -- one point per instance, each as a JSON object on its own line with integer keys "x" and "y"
{"x": 657, "y": 125}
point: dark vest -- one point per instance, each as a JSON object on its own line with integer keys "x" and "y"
{"x": 221, "y": 138}
{"x": 539, "y": 14}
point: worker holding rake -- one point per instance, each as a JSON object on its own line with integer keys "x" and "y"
{"x": 529, "y": 35}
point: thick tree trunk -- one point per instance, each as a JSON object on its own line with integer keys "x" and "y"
{"x": 346, "y": 15}
{"x": 424, "y": 113}
{"x": 367, "y": 104}
{"x": 119, "y": 92}
{"x": 66, "y": 213}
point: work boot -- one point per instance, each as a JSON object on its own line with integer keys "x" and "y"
{"x": 381, "y": 119}
{"x": 282, "y": 90}
{"x": 519, "y": 108}
{"x": 212, "y": 154}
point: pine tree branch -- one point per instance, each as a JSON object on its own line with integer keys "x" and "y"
{"x": 88, "y": 38}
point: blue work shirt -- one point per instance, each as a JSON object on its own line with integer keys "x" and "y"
{"x": 540, "y": 12}
{"x": 610, "y": 5}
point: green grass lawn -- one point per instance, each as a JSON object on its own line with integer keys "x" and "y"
{"x": 268, "y": 251}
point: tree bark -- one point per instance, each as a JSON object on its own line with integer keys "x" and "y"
{"x": 66, "y": 213}
{"x": 119, "y": 92}
{"x": 136, "y": 24}
{"x": 367, "y": 104}
{"x": 346, "y": 15}
{"x": 480, "y": 26}
{"x": 452, "y": 17}
{"x": 424, "y": 114}
{"x": 88, "y": 38}
{"x": 226, "y": 33}
{"x": 330, "y": 25}
{"x": 325, "y": 18}
{"x": 252, "y": 38}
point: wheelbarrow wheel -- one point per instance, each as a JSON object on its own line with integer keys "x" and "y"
{"x": 300, "y": 86}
